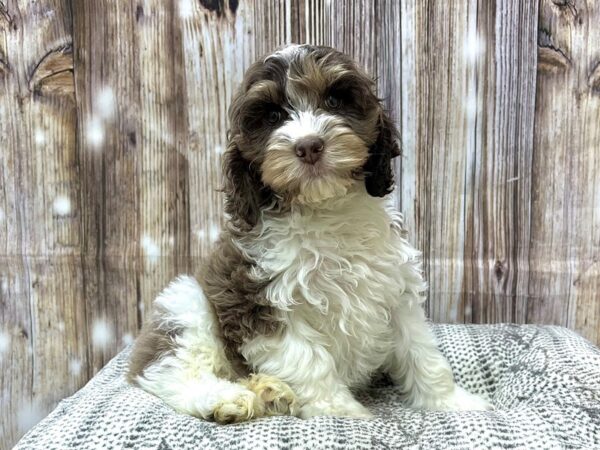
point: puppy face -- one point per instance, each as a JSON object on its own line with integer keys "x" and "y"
{"x": 307, "y": 125}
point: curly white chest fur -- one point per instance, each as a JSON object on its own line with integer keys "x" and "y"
{"x": 348, "y": 288}
{"x": 337, "y": 275}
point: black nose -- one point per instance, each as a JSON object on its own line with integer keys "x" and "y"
{"x": 309, "y": 149}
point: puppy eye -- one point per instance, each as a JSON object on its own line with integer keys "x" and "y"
{"x": 273, "y": 116}
{"x": 333, "y": 102}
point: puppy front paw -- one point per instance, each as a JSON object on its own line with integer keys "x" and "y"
{"x": 242, "y": 406}
{"x": 277, "y": 397}
{"x": 462, "y": 400}
{"x": 351, "y": 409}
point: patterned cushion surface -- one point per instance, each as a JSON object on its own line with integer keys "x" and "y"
{"x": 543, "y": 381}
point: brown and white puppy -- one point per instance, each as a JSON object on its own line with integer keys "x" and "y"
{"x": 312, "y": 287}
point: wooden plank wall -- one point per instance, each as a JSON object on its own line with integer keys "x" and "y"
{"x": 113, "y": 120}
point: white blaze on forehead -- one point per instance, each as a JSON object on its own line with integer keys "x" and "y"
{"x": 286, "y": 53}
{"x": 304, "y": 123}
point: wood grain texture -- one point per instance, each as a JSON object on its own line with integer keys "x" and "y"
{"x": 40, "y": 275}
{"x": 113, "y": 120}
{"x": 565, "y": 199}
{"x": 106, "y": 70}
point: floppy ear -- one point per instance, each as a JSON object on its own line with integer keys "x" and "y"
{"x": 379, "y": 176}
{"x": 245, "y": 192}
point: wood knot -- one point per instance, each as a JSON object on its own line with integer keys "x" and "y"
{"x": 594, "y": 78}
{"x": 54, "y": 74}
{"x": 5, "y": 16}
{"x": 4, "y": 69}
{"x": 220, "y": 7}
{"x": 552, "y": 60}
{"x": 139, "y": 12}
{"x": 567, "y": 6}
{"x": 499, "y": 269}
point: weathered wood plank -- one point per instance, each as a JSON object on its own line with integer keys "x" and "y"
{"x": 500, "y": 108}
{"x": 40, "y": 274}
{"x": 565, "y": 211}
{"x": 108, "y": 86}
{"x": 468, "y": 79}
{"x": 164, "y": 170}
{"x": 436, "y": 151}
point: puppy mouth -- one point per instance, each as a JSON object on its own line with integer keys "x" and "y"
{"x": 314, "y": 169}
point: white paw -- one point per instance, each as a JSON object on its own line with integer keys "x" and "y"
{"x": 240, "y": 407}
{"x": 277, "y": 397}
{"x": 462, "y": 400}
{"x": 346, "y": 409}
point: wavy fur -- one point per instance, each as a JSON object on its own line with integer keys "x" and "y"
{"x": 312, "y": 287}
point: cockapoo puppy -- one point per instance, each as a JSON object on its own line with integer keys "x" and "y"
{"x": 312, "y": 288}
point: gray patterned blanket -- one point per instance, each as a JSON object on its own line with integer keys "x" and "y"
{"x": 543, "y": 381}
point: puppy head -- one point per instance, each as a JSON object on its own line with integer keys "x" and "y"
{"x": 305, "y": 126}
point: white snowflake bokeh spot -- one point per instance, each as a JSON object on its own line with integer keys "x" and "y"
{"x": 127, "y": 339}
{"x": 4, "y": 342}
{"x": 61, "y": 205}
{"x": 102, "y": 334}
{"x": 150, "y": 248}
{"x": 214, "y": 233}
{"x": 39, "y": 136}
{"x": 105, "y": 102}
{"x": 474, "y": 47}
{"x": 95, "y": 132}
{"x": 29, "y": 414}
{"x": 186, "y": 9}
{"x": 75, "y": 367}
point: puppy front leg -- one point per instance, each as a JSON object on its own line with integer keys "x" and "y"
{"x": 309, "y": 369}
{"x": 422, "y": 371}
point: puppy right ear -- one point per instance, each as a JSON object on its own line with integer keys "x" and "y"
{"x": 245, "y": 192}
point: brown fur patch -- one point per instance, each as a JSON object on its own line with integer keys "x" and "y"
{"x": 154, "y": 342}
{"x": 237, "y": 297}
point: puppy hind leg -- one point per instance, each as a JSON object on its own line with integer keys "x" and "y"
{"x": 189, "y": 369}
{"x": 199, "y": 392}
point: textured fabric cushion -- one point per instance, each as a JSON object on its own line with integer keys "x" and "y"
{"x": 543, "y": 381}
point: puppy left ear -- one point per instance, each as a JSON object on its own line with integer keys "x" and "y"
{"x": 379, "y": 176}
